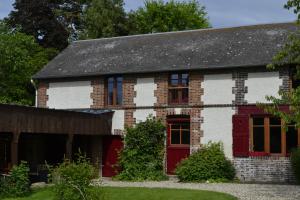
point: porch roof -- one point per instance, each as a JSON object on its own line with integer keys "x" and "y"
{"x": 25, "y": 119}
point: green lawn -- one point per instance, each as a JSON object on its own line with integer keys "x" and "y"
{"x": 141, "y": 194}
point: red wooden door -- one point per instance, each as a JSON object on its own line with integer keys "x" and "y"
{"x": 178, "y": 142}
{"x": 112, "y": 145}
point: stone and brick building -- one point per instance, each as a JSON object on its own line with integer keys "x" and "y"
{"x": 204, "y": 84}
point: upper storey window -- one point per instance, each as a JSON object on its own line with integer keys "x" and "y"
{"x": 114, "y": 91}
{"x": 179, "y": 88}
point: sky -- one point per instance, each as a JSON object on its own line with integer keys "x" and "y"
{"x": 221, "y": 13}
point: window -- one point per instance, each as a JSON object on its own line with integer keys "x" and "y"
{"x": 179, "y": 133}
{"x": 179, "y": 88}
{"x": 269, "y": 136}
{"x": 114, "y": 91}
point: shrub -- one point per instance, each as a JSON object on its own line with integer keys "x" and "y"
{"x": 295, "y": 160}
{"x": 17, "y": 184}
{"x": 208, "y": 163}
{"x": 143, "y": 155}
{"x": 72, "y": 180}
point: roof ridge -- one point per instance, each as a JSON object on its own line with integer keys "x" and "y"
{"x": 184, "y": 31}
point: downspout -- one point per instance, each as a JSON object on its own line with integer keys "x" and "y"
{"x": 35, "y": 88}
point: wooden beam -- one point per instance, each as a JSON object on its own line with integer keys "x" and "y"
{"x": 283, "y": 139}
{"x": 69, "y": 146}
{"x": 14, "y": 148}
{"x": 267, "y": 134}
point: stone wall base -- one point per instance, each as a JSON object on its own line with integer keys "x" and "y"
{"x": 264, "y": 169}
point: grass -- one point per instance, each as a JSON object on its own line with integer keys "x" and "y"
{"x": 112, "y": 193}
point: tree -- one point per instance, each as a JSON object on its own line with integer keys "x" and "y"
{"x": 104, "y": 18}
{"x": 51, "y": 22}
{"x": 157, "y": 16}
{"x": 288, "y": 56}
{"x": 20, "y": 58}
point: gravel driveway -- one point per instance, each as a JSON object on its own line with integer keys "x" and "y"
{"x": 242, "y": 191}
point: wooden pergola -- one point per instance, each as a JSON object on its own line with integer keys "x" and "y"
{"x": 21, "y": 119}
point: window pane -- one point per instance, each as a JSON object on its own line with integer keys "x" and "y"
{"x": 185, "y": 137}
{"x": 185, "y": 80}
{"x": 119, "y": 91}
{"x": 275, "y": 139}
{"x": 175, "y": 126}
{"x": 291, "y": 139}
{"x": 175, "y": 137}
{"x": 174, "y": 80}
{"x": 275, "y": 121}
{"x": 258, "y": 121}
{"x": 258, "y": 139}
{"x": 185, "y": 126}
{"x": 110, "y": 91}
{"x": 173, "y": 95}
{"x": 185, "y": 95}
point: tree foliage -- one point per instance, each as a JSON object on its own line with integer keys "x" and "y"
{"x": 157, "y": 16}
{"x": 51, "y": 22}
{"x": 104, "y": 18}
{"x": 20, "y": 58}
{"x": 143, "y": 155}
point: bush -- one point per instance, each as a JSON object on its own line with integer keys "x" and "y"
{"x": 143, "y": 155}
{"x": 207, "y": 164}
{"x": 72, "y": 180}
{"x": 17, "y": 184}
{"x": 295, "y": 160}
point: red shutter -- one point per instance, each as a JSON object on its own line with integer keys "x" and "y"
{"x": 240, "y": 135}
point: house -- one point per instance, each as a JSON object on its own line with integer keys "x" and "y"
{"x": 204, "y": 84}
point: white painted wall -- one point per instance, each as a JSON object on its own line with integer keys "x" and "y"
{"x": 70, "y": 95}
{"x": 218, "y": 89}
{"x": 118, "y": 120}
{"x": 217, "y": 126}
{"x": 142, "y": 114}
{"x": 144, "y": 89}
{"x": 261, "y": 84}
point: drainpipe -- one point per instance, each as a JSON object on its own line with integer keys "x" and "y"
{"x": 35, "y": 88}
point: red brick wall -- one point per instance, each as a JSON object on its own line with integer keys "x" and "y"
{"x": 98, "y": 94}
{"x": 42, "y": 96}
{"x": 128, "y": 99}
{"x": 161, "y": 94}
{"x": 195, "y": 94}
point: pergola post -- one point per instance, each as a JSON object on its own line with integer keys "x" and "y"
{"x": 14, "y": 147}
{"x": 69, "y": 146}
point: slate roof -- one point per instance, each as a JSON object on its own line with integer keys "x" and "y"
{"x": 184, "y": 50}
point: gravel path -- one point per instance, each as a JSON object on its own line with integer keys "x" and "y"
{"x": 242, "y": 191}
